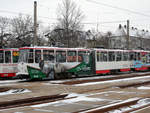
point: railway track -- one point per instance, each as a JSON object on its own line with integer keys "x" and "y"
{"x": 31, "y": 101}
{"x": 126, "y": 106}
{"x": 108, "y": 78}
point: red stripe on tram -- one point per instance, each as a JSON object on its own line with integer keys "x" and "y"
{"x": 102, "y": 71}
{"x": 7, "y": 74}
{"x": 123, "y": 70}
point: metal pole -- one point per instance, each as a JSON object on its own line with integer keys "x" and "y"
{"x": 35, "y": 24}
{"x": 128, "y": 35}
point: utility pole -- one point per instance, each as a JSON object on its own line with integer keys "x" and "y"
{"x": 35, "y": 24}
{"x": 128, "y": 35}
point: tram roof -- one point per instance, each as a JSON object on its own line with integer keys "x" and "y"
{"x": 121, "y": 50}
{"x": 56, "y": 48}
{"x": 9, "y": 49}
{"x": 97, "y": 49}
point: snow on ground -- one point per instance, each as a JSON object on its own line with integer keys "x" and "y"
{"x": 117, "y": 92}
{"x": 8, "y": 84}
{"x": 14, "y": 91}
{"x": 82, "y": 97}
{"x": 114, "y": 104}
{"x": 110, "y": 81}
{"x": 143, "y": 87}
{"x": 77, "y": 98}
{"x": 9, "y": 81}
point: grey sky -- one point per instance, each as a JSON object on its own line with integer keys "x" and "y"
{"x": 94, "y": 13}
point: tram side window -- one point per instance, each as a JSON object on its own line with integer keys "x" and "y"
{"x": 30, "y": 56}
{"x": 125, "y": 56}
{"x": 98, "y": 56}
{"x": 60, "y": 56}
{"x": 37, "y": 56}
{"x": 118, "y": 56}
{"x": 104, "y": 56}
{"x": 138, "y": 56}
{"x": 111, "y": 56}
{"x": 71, "y": 56}
{"x": 15, "y": 56}
{"x": 48, "y": 55}
{"x": 7, "y": 56}
{"x": 81, "y": 55}
{"x": 132, "y": 56}
{"x": 1, "y": 57}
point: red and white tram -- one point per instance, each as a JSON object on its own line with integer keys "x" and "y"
{"x": 8, "y": 62}
{"x": 31, "y": 56}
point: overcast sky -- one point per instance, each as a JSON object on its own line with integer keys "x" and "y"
{"x": 137, "y": 11}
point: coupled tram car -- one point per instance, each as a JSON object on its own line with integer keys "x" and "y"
{"x": 56, "y": 63}
{"x": 8, "y": 62}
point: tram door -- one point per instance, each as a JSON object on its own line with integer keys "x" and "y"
{"x": 93, "y": 61}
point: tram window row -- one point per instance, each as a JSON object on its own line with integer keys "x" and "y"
{"x": 110, "y": 56}
{"x": 35, "y": 56}
{"x": 9, "y": 56}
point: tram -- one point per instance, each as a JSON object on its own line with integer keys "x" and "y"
{"x": 8, "y": 62}
{"x": 56, "y": 63}
{"x": 40, "y": 57}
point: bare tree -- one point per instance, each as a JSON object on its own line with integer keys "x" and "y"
{"x": 22, "y": 30}
{"x": 4, "y": 23}
{"x": 69, "y": 19}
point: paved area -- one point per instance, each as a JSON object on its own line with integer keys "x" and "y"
{"x": 87, "y": 96}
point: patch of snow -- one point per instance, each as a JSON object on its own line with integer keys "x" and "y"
{"x": 120, "y": 92}
{"x": 14, "y": 91}
{"x": 43, "y": 110}
{"x": 18, "y": 112}
{"x": 9, "y": 81}
{"x": 143, "y": 87}
{"x": 9, "y": 84}
{"x": 75, "y": 95}
{"x": 144, "y": 101}
{"x": 115, "y": 111}
{"x": 125, "y": 109}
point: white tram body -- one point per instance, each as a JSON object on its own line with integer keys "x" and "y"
{"x": 8, "y": 62}
{"x": 112, "y": 60}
